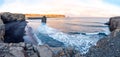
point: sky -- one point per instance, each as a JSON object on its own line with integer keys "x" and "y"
{"x": 73, "y": 8}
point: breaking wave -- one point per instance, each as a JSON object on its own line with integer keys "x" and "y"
{"x": 81, "y": 41}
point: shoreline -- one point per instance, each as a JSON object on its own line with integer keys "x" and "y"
{"x": 106, "y": 47}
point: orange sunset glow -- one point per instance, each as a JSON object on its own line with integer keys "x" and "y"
{"x": 47, "y": 15}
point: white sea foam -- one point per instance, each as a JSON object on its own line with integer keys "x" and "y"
{"x": 30, "y": 36}
{"x": 80, "y": 41}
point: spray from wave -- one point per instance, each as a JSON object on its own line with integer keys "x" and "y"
{"x": 80, "y": 41}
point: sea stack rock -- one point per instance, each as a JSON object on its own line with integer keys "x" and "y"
{"x": 44, "y": 19}
{"x": 14, "y": 27}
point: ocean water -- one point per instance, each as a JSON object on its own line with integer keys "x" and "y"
{"x": 80, "y": 33}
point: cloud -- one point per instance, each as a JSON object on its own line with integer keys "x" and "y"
{"x": 79, "y": 8}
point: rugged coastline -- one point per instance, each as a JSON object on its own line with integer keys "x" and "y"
{"x": 13, "y": 45}
{"x": 108, "y": 46}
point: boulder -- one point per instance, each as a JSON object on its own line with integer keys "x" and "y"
{"x": 44, "y": 51}
{"x": 17, "y": 51}
{"x": 29, "y": 50}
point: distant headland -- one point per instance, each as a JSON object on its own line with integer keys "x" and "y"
{"x": 47, "y": 15}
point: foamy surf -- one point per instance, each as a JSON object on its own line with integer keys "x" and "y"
{"x": 30, "y": 37}
{"x": 81, "y": 42}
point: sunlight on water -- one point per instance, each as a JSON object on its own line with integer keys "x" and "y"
{"x": 81, "y": 42}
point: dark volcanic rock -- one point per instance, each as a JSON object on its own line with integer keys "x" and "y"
{"x": 14, "y": 32}
{"x": 114, "y": 23}
{"x": 14, "y": 27}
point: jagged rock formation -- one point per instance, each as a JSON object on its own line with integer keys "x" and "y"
{"x": 14, "y": 27}
{"x": 106, "y": 47}
{"x": 109, "y": 46}
{"x": 29, "y": 50}
{"x": 10, "y": 17}
{"x": 114, "y": 23}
